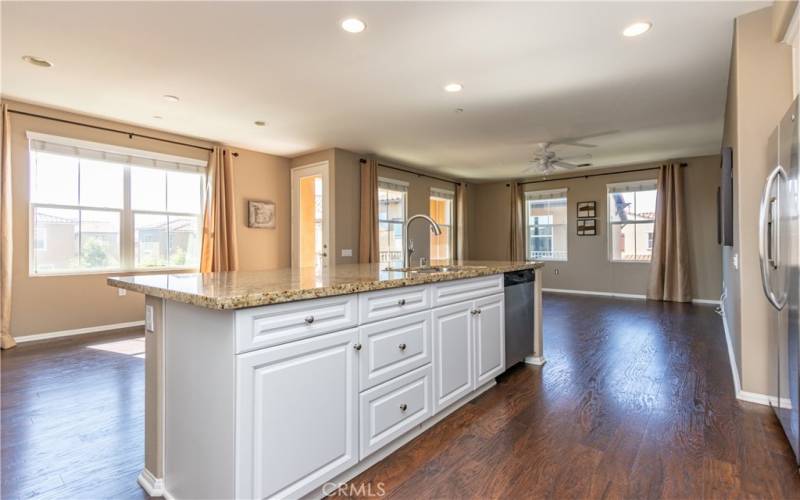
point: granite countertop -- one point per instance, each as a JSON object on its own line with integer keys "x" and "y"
{"x": 240, "y": 289}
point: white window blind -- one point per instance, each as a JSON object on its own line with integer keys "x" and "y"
{"x": 392, "y": 184}
{"x": 86, "y": 150}
{"x": 442, "y": 193}
{"x": 550, "y": 194}
{"x": 629, "y": 187}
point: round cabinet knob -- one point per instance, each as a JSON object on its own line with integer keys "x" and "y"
{"x": 474, "y": 312}
{"x": 357, "y": 347}
{"x": 403, "y": 407}
{"x": 401, "y": 302}
{"x": 479, "y": 311}
{"x": 402, "y": 347}
{"x": 309, "y": 319}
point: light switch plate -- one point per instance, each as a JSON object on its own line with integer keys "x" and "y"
{"x": 149, "y": 319}
{"x": 347, "y": 252}
{"x": 122, "y": 292}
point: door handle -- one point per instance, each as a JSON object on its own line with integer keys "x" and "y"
{"x": 768, "y": 236}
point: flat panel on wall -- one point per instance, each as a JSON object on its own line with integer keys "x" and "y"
{"x": 726, "y": 197}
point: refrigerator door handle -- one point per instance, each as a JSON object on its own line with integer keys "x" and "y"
{"x": 768, "y": 237}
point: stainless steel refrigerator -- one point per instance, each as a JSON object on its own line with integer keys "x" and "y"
{"x": 779, "y": 253}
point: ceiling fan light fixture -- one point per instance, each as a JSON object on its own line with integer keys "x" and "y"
{"x": 637, "y": 28}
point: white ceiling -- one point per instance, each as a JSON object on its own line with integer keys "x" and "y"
{"x": 531, "y": 72}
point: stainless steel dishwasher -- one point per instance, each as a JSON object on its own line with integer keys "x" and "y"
{"x": 519, "y": 315}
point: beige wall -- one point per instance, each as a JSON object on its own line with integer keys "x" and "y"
{"x": 588, "y": 267}
{"x": 55, "y": 303}
{"x": 760, "y": 92}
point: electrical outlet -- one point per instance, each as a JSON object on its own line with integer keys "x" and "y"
{"x": 122, "y": 292}
{"x": 149, "y": 319}
{"x": 347, "y": 252}
{"x": 555, "y": 271}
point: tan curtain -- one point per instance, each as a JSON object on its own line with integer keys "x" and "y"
{"x": 6, "y": 340}
{"x": 462, "y": 241}
{"x": 220, "y": 251}
{"x": 368, "y": 227}
{"x": 669, "y": 268}
{"x": 517, "y": 236}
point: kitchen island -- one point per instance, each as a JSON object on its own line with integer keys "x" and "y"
{"x": 275, "y": 383}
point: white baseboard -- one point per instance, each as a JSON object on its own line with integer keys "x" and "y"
{"x": 151, "y": 484}
{"x": 535, "y": 360}
{"x": 77, "y": 331}
{"x": 619, "y": 295}
{"x": 601, "y": 294}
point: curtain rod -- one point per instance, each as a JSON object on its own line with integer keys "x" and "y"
{"x": 107, "y": 129}
{"x": 586, "y": 176}
{"x": 362, "y": 160}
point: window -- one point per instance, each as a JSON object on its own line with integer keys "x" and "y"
{"x": 391, "y": 221}
{"x": 441, "y": 210}
{"x": 98, "y": 208}
{"x": 631, "y": 220}
{"x": 546, "y": 228}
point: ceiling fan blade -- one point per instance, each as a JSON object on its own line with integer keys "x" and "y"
{"x": 585, "y": 156}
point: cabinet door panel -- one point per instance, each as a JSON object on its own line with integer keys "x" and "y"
{"x": 296, "y": 416}
{"x": 452, "y": 333}
{"x": 490, "y": 339}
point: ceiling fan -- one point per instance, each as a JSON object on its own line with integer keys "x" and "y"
{"x": 546, "y": 161}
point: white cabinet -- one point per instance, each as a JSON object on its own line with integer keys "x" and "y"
{"x": 453, "y": 357}
{"x": 469, "y": 347}
{"x": 393, "y": 347}
{"x": 296, "y": 415}
{"x": 490, "y": 338}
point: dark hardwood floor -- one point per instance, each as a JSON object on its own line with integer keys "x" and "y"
{"x": 636, "y": 400}
{"x": 73, "y": 417}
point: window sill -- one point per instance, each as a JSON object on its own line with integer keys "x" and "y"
{"x": 630, "y": 262}
{"x": 548, "y": 260}
{"x": 115, "y": 272}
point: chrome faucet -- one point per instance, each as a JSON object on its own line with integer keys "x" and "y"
{"x": 435, "y": 229}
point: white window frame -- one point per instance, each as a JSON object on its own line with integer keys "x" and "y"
{"x": 395, "y": 185}
{"x": 549, "y": 194}
{"x": 126, "y": 157}
{"x": 627, "y": 187}
{"x": 444, "y": 194}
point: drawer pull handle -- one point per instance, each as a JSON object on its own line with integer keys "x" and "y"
{"x": 357, "y": 347}
{"x": 401, "y": 302}
{"x": 309, "y": 319}
{"x": 403, "y": 407}
{"x": 402, "y": 347}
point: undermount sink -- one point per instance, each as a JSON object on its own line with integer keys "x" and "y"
{"x": 432, "y": 269}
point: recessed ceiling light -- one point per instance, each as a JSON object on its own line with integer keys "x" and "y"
{"x": 459, "y": 110}
{"x": 171, "y": 98}
{"x": 158, "y": 117}
{"x": 453, "y": 87}
{"x": 637, "y": 28}
{"x": 353, "y": 25}
{"x": 259, "y": 123}
{"x": 37, "y": 61}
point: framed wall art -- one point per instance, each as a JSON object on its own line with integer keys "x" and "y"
{"x": 587, "y": 227}
{"x": 261, "y": 214}
{"x": 587, "y": 209}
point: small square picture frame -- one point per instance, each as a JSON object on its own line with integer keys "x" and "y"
{"x": 587, "y": 227}
{"x": 587, "y": 209}
{"x": 261, "y": 214}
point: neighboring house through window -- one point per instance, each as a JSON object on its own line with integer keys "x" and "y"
{"x": 392, "y": 197}
{"x": 546, "y": 225}
{"x": 100, "y": 208}
{"x": 631, "y": 220}
{"x": 441, "y": 211}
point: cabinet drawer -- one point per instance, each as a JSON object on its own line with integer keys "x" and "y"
{"x": 393, "y": 347}
{"x": 280, "y": 323}
{"x": 383, "y": 304}
{"x": 450, "y": 292}
{"x": 390, "y": 410}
